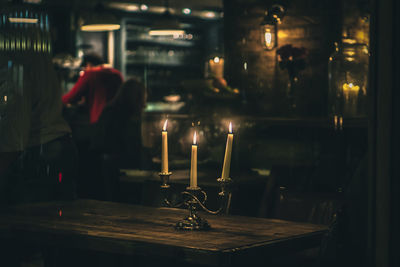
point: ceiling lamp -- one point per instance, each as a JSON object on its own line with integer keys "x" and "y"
{"x": 166, "y": 25}
{"x": 21, "y": 13}
{"x": 100, "y": 20}
{"x": 269, "y": 28}
{"x": 25, "y": 28}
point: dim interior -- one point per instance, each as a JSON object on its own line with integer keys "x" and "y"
{"x": 268, "y": 101}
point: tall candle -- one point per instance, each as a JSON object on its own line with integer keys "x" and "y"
{"x": 164, "y": 149}
{"x": 193, "y": 163}
{"x": 216, "y": 66}
{"x": 228, "y": 151}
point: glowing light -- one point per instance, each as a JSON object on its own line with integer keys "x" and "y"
{"x": 166, "y": 32}
{"x": 186, "y": 11}
{"x": 230, "y": 127}
{"x": 100, "y": 27}
{"x": 350, "y": 87}
{"x": 245, "y": 66}
{"x": 5, "y": 98}
{"x": 60, "y": 212}
{"x": 157, "y": 9}
{"x": 216, "y": 60}
{"x": 268, "y": 38}
{"x": 23, "y": 20}
{"x": 209, "y": 14}
{"x": 194, "y": 138}
{"x": 165, "y": 125}
{"x": 144, "y": 7}
{"x": 60, "y": 177}
{"x": 350, "y": 53}
{"x": 282, "y": 34}
{"x": 125, "y": 6}
{"x": 349, "y": 41}
{"x": 132, "y": 8}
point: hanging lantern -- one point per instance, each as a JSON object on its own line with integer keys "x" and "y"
{"x": 268, "y": 33}
{"x": 269, "y": 28}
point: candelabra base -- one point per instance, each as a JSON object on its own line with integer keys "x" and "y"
{"x": 193, "y": 222}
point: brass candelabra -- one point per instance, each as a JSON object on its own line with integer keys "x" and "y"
{"x": 195, "y": 198}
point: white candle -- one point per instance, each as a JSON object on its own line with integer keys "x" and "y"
{"x": 164, "y": 149}
{"x": 193, "y": 163}
{"x": 228, "y": 151}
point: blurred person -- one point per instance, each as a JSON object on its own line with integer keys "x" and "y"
{"x": 96, "y": 87}
{"x": 116, "y": 142}
{"x": 120, "y": 120}
{"x": 38, "y": 158}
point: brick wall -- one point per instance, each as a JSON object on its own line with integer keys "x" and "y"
{"x": 313, "y": 24}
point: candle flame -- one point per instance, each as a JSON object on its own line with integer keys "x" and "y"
{"x": 165, "y": 125}
{"x": 230, "y": 127}
{"x": 194, "y": 138}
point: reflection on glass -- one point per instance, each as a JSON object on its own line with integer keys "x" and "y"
{"x": 348, "y": 76}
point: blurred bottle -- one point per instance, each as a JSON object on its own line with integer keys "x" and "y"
{"x": 348, "y": 79}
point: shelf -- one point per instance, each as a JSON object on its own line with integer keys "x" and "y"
{"x": 164, "y": 43}
{"x": 151, "y": 65}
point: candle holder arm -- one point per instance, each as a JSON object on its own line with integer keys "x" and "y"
{"x": 167, "y": 202}
{"x": 194, "y": 198}
{"x": 201, "y": 203}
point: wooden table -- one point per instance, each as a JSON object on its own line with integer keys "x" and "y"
{"x": 139, "y": 230}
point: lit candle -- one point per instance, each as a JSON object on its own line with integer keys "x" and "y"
{"x": 350, "y": 92}
{"x": 193, "y": 163}
{"x": 164, "y": 149}
{"x": 228, "y": 151}
{"x": 216, "y": 66}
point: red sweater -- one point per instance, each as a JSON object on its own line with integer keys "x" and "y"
{"x": 99, "y": 85}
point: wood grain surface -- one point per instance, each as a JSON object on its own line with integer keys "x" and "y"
{"x": 138, "y": 230}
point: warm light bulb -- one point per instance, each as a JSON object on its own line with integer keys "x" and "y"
{"x": 230, "y": 127}
{"x": 216, "y": 59}
{"x": 268, "y": 38}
